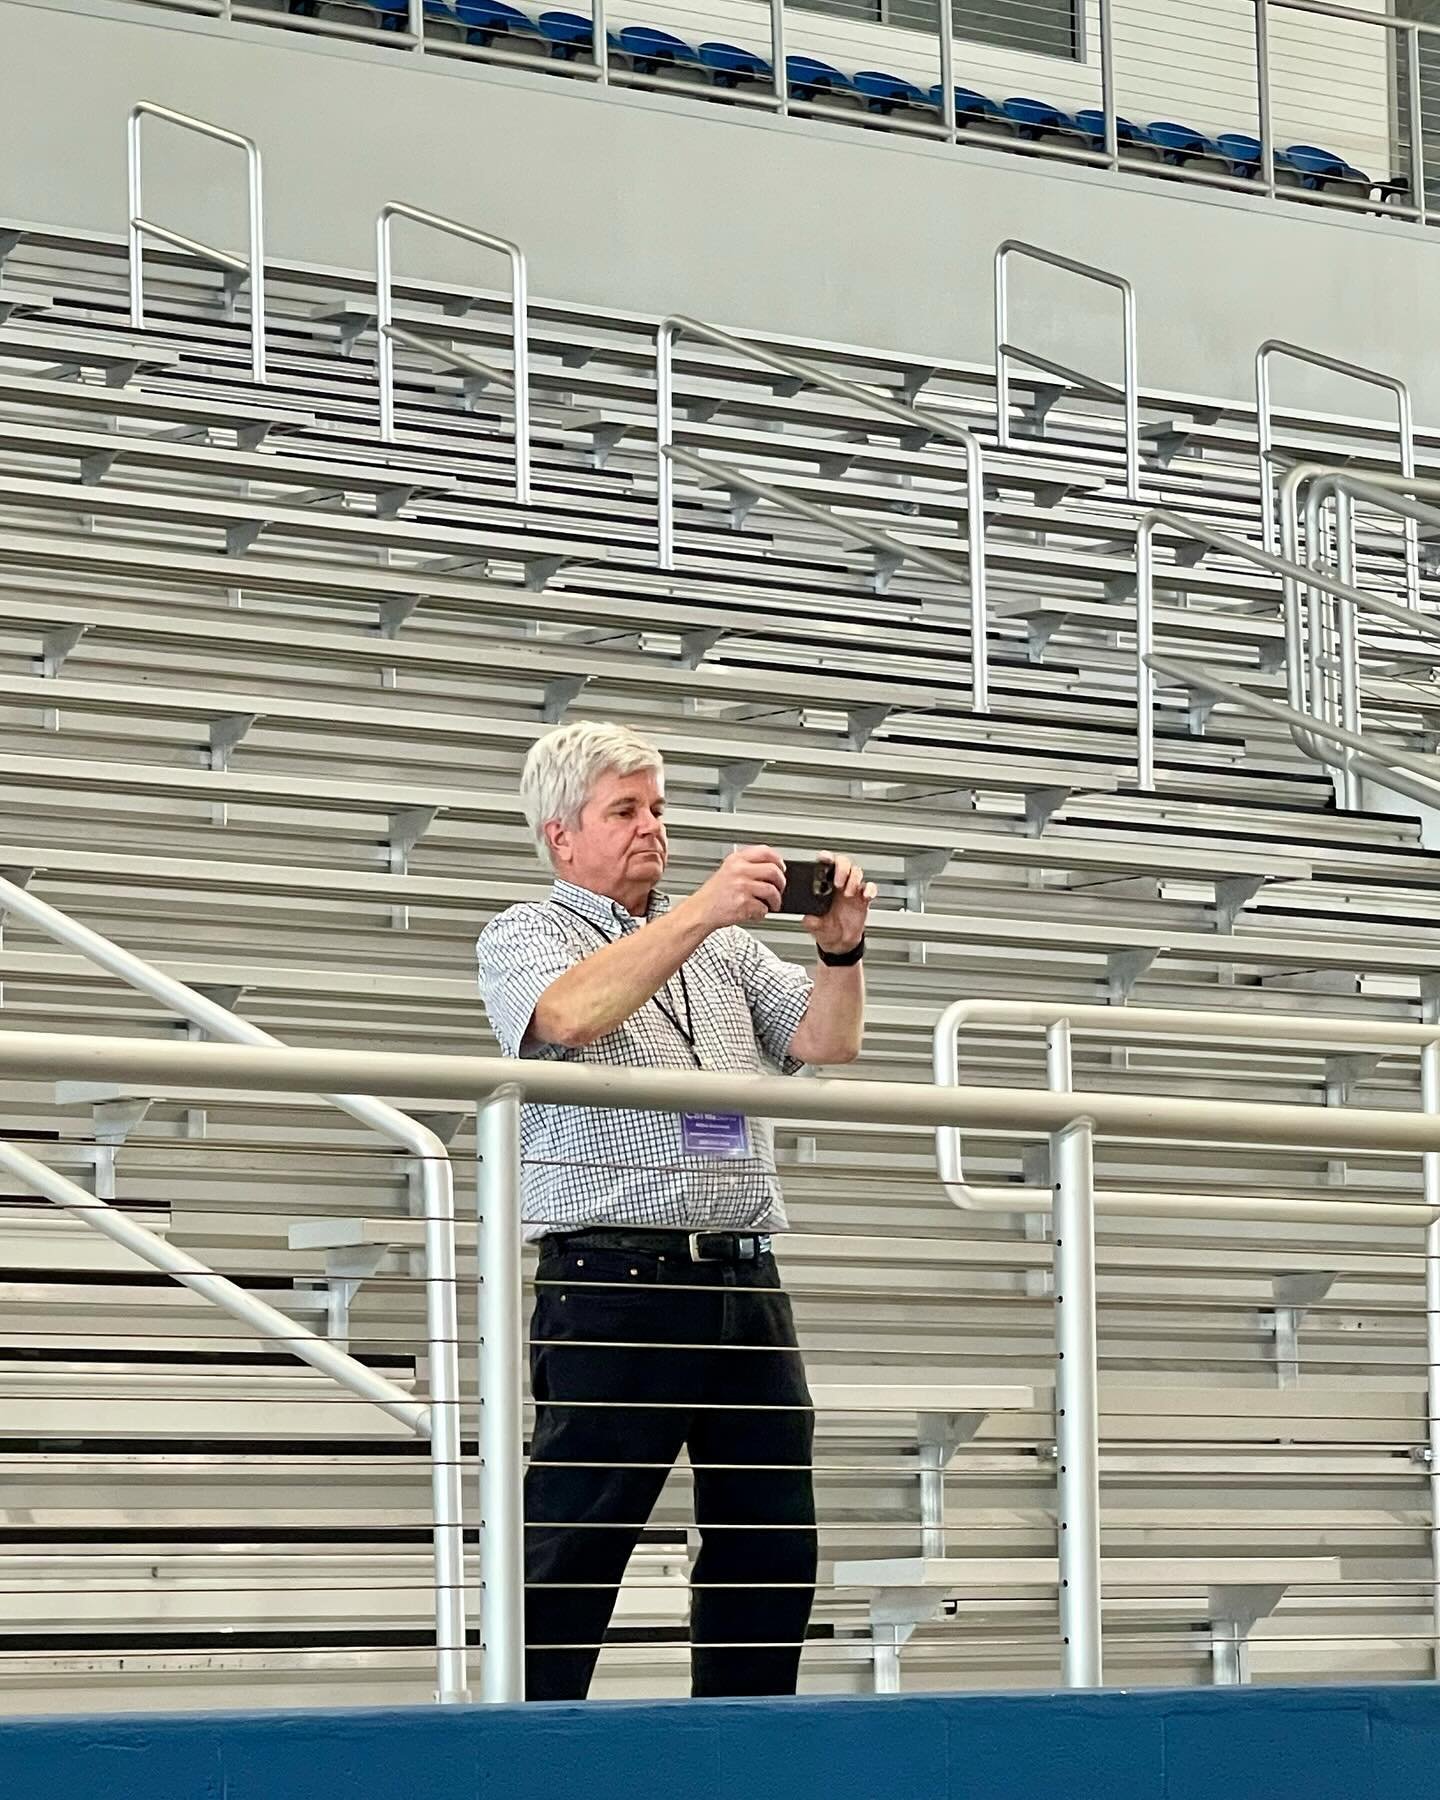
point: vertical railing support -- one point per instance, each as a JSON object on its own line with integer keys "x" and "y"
{"x": 1415, "y": 100}
{"x": 1107, "y": 83}
{"x": 778, "y": 58}
{"x": 1430, "y": 1100}
{"x": 502, "y": 1337}
{"x": 1077, "y": 1403}
{"x": 1266, "y": 117}
{"x": 945, "y": 11}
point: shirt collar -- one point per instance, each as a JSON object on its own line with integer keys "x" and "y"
{"x": 600, "y": 909}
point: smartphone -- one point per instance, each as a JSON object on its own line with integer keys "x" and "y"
{"x": 809, "y": 888}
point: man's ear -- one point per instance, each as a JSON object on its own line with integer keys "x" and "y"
{"x": 558, "y": 838}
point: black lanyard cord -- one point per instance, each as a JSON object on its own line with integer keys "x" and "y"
{"x": 662, "y": 1006}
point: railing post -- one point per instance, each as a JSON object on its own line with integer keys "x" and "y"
{"x": 1262, "y": 96}
{"x": 664, "y": 432}
{"x": 384, "y": 319}
{"x": 135, "y": 236}
{"x": 600, "y": 41}
{"x": 1348, "y": 646}
{"x": 502, "y": 1337}
{"x": 1077, "y": 1405}
{"x": 1430, "y": 1100}
{"x": 1107, "y": 83}
{"x": 945, "y": 11}
{"x": 778, "y": 60}
{"x": 1144, "y": 649}
{"x": 1002, "y": 352}
{"x": 1415, "y": 109}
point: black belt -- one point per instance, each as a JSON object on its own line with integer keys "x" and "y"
{"x": 694, "y": 1246}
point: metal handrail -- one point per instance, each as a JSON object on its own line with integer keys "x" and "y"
{"x": 1384, "y": 764}
{"x": 1393, "y": 493}
{"x": 1071, "y": 1121}
{"x": 1074, "y": 1198}
{"x": 1293, "y": 576}
{"x": 1265, "y": 441}
{"x": 1150, "y": 1022}
{"x": 1006, "y": 352}
{"x": 799, "y": 369}
{"x": 890, "y": 551}
{"x": 140, "y": 227}
{"x": 440, "y": 1422}
{"x": 388, "y": 333}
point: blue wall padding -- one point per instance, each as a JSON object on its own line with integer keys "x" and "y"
{"x": 1240, "y": 1744}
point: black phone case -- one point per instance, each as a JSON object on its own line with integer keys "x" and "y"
{"x": 809, "y": 889}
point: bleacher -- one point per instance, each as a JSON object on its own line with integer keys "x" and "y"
{"x": 266, "y": 681}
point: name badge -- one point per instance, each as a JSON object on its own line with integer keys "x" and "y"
{"x": 715, "y": 1134}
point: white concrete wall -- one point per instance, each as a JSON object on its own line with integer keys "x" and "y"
{"x": 660, "y": 203}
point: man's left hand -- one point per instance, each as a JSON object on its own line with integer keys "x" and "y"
{"x": 842, "y": 928}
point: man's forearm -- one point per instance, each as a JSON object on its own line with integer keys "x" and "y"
{"x": 601, "y": 992}
{"x": 833, "y": 1028}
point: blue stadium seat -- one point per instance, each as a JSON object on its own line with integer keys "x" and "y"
{"x": 809, "y": 79}
{"x": 486, "y": 20}
{"x": 1242, "y": 152}
{"x": 729, "y": 65}
{"x": 1181, "y": 144}
{"x": 566, "y": 33}
{"x": 1320, "y": 169}
{"x": 650, "y": 49}
{"x": 1035, "y": 119}
{"x": 1090, "y": 122}
{"x": 971, "y": 108}
{"x": 883, "y": 92}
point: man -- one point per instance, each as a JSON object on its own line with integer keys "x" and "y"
{"x": 659, "y": 1322}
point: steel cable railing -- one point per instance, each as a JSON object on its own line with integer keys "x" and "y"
{"x": 1070, "y": 1120}
{"x": 1349, "y": 89}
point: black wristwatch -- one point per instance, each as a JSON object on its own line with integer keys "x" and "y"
{"x": 842, "y": 959}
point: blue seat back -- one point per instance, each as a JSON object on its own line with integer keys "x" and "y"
{"x": 566, "y": 28}
{"x": 890, "y": 90}
{"x": 730, "y": 59}
{"x": 1035, "y": 117}
{"x": 646, "y": 43}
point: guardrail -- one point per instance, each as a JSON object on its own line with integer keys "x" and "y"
{"x": 1070, "y": 1121}
{"x": 796, "y": 369}
{"x": 238, "y": 269}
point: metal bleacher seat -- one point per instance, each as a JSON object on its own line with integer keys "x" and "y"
{"x": 285, "y": 772}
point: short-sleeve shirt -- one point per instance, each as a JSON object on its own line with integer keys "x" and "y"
{"x": 590, "y": 1166}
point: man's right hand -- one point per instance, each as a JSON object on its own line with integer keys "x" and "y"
{"x": 748, "y": 885}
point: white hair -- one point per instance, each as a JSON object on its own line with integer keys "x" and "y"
{"x": 563, "y": 767}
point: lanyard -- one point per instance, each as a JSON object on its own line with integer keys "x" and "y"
{"x": 662, "y": 1006}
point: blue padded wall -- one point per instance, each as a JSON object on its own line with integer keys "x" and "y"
{"x": 1248, "y": 1744}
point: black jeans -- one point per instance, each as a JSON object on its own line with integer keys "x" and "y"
{"x": 635, "y": 1355}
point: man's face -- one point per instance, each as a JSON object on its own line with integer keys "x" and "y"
{"x": 618, "y": 845}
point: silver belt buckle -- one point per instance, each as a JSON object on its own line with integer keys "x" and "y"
{"x": 695, "y": 1256}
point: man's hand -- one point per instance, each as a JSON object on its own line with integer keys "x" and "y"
{"x": 747, "y": 886}
{"x": 842, "y": 928}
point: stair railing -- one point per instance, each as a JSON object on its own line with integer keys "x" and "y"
{"x": 238, "y": 269}
{"x": 388, "y": 333}
{"x": 800, "y": 372}
{"x": 440, "y": 1421}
